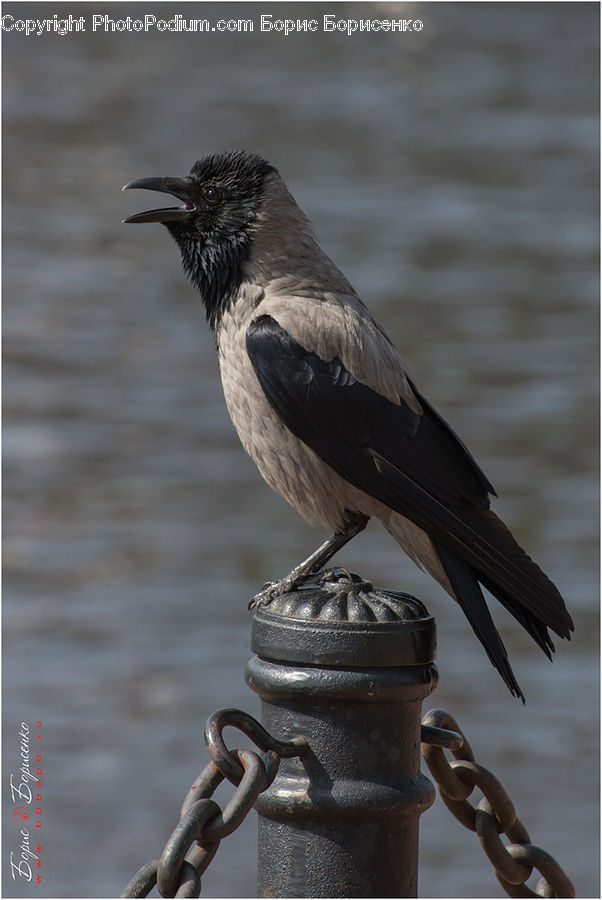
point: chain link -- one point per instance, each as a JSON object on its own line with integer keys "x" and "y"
{"x": 196, "y": 838}
{"x": 495, "y": 814}
{"x": 226, "y": 761}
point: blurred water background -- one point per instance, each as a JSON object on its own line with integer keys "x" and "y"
{"x": 452, "y": 173}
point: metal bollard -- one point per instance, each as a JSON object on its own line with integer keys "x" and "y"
{"x": 347, "y": 667}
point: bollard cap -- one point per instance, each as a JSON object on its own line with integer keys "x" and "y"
{"x": 336, "y": 618}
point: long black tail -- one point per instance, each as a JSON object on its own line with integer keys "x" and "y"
{"x": 518, "y": 582}
{"x": 500, "y": 565}
{"x": 465, "y": 584}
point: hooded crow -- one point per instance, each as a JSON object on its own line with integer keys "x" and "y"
{"x": 322, "y": 402}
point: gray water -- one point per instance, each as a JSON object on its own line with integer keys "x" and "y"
{"x": 452, "y": 174}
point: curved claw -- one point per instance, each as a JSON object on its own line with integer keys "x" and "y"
{"x": 267, "y": 593}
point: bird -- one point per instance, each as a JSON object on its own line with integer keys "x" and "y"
{"x": 325, "y": 407}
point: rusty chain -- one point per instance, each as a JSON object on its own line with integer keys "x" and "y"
{"x": 195, "y": 839}
{"x": 495, "y": 814}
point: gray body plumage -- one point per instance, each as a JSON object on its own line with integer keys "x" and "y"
{"x": 324, "y": 406}
{"x": 292, "y": 280}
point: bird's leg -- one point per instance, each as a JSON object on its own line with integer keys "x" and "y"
{"x": 354, "y": 523}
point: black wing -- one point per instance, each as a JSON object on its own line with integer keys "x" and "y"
{"x": 414, "y": 464}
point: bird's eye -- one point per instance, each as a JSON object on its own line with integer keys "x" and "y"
{"x": 212, "y": 195}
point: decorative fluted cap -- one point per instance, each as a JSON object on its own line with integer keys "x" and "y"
{"x": 339, "y": 618}
{"x": 336, "y": 595}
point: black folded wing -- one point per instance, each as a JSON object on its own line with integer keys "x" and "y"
{"x": 413, "y": 463}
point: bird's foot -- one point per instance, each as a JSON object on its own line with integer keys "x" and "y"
{"x": 313, "y": 564}
{"x": 264, "y": 596}
{"x": 272, "y": 589}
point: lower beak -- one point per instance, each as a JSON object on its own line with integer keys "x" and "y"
{"x": 177, "y": 187}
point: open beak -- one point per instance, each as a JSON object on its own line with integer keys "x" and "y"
{"x": 177, "y": 187}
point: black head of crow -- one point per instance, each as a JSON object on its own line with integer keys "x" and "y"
{"x": 323, "y": 404}
{"x": 221, "y": 196}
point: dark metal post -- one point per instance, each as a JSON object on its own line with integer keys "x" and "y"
{"x": 347, "y": 667}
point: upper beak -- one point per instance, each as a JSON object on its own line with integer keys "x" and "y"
{"x": 177, "y": 187}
